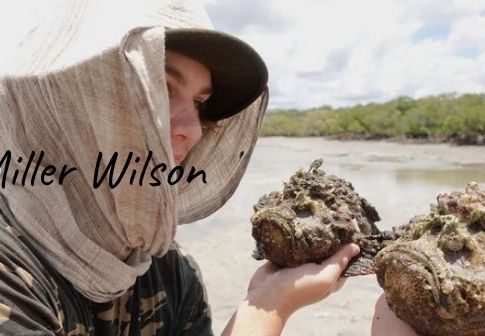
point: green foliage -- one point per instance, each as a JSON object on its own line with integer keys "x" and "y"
{"x": 444, "y": 116}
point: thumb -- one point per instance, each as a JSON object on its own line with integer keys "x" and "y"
{"x": 335, "y": 264}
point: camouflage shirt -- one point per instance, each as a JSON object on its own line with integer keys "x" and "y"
{"x": 169, "y": 299}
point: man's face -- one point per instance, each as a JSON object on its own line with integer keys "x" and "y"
{"x": 189, "y": 87}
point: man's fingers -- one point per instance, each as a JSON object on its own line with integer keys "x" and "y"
{"x": 335, "y": 264}
{"x": 338, "y": 284}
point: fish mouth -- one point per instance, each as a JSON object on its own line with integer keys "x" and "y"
{"x": 418, "y": 266}
{"x": 270, "y": 229}
{"x": 288, "y": 239}
{"x": 272, "y": 216}
{"x": 413, "y": 276}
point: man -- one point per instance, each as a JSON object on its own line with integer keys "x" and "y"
{"x": 94, "y": 78}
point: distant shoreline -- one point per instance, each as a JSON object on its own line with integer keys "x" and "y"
{"x": 459, "y": 140}
{"x": 441, "y": 153}
{"x": 447, "y": 118}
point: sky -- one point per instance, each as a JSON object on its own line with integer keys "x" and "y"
{"x": 348, "y": 52}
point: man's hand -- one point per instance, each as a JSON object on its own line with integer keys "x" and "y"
{"x": 289, "y": 289}
{"x": 274, "y": 294}
{"x": 386, "y": 323}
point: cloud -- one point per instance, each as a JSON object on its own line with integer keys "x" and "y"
{"x": 237, "y": 16}
{"x": 343, "y": 52}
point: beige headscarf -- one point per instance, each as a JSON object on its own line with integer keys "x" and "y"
{"x": 88, "y": 78}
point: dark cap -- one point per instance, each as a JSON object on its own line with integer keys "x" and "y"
{"x": 239, "y": 75}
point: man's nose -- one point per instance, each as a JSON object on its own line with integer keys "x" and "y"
{"x": 185, "y": 123}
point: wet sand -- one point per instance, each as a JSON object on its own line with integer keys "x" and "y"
{"x": 399, "y": 179}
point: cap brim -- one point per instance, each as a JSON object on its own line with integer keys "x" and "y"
{"x": 239, "y": 75}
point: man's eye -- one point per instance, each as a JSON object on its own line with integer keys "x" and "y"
{"x": 200, "y": 106}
